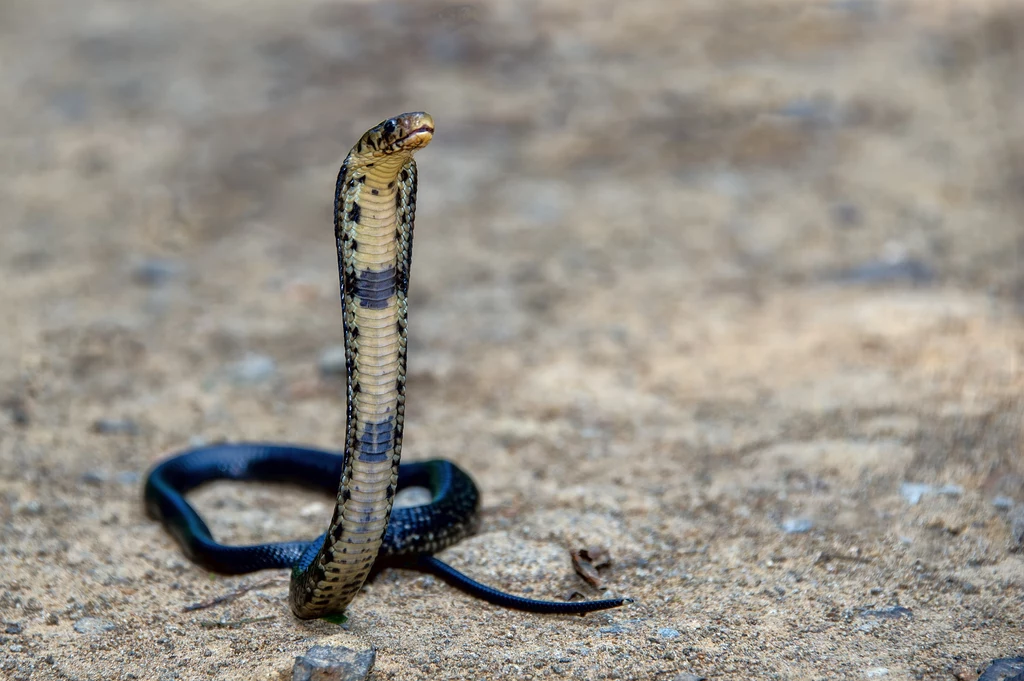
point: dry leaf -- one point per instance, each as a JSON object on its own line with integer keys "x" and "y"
{"x": 587, "y": 561}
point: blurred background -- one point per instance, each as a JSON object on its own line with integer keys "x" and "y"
{"x": 685, "y": 272}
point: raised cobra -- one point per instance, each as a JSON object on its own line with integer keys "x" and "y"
{"x": 374, "y": 211}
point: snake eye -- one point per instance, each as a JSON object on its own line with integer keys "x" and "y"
{"x": 389, "y": 126}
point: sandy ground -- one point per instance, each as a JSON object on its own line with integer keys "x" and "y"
{"x": 733, "y": 290}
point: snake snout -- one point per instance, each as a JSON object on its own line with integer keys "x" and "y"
{"x": 403, "y": 133}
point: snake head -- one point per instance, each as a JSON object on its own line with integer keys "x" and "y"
{"x": 402, "y": 134}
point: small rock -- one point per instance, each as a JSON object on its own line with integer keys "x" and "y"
{"x": 155, "y": 272}
{"x": 30, "y": 507}
{"x": 1003, "y": 503}
{"x": 17, "y": 409}
{"x": 316, "y": 509}
{"x": 115, "y": 427}
{"x": 913, "y": 491}
{"x": 1008, "y": 668}
{"x": 332, "y": 362}
{"x": 846, "y": 215}
{"x": 413, "y": 496}
{"x": 668, "y": 632}
{"x": 875, "y": 672}
{"x": 894, "y": 613}
{"x": 12, "y": 628}
{"x": 334, "y": 663}
{"x": 813, "y": 112}
{"x": 93, "y": 477}
{"x": 613, "y": 629}
{"x": 951, "y": 490}
{"x": 52, "y": 619}
{"x": 252, "y": 368}
{"x": 686, "y": 676}
{"x": 128, "y": 478}
{"x": 797, "y": 525}
{"x": 964, "y": 672}
{"x": 730, "y": 184}
{"x": 94, "y": 625}
{"x": 71, "y": 103}
{"x": 863, "y": 9}
{"x": 887, "y": 272}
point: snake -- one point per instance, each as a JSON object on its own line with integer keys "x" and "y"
{"x": 374, "y": 215}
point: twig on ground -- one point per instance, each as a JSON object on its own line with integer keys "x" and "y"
{"x": 225, "y": 598}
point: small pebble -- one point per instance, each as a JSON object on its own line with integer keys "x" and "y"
{"x": 128, "y": 478}
{"x": 730, "y": 184}
{"x": 315, "y": 509}
{"x": 31, "y": 507}
{"x": 797, "y": 525}
{"x": 17, "y": 408}
{"x": 334, "y": 663}
{"x": 16, "y": 648}
{"x": 71, "y": 103}
{"x": 846, "y": 215}
{"x": 1003, "y": 668}
{"x": 332, "y": 361}
{"x": 894, "y": 613}
{"x": 668, "y": 632}
{"x": 814, "y": 112}
{"x": 864, "y": 9}
{"x": 887, "y": 272}
{"x": 52, "y": 619}
{"x": 155, "y": 272}
{"x": 613, "y": 629}
{"x": 1003, "y": 503}
{"x": 876, "y": 672}
{"x": 253, "y": 368}
{"x": 913, "y": 491}
{"x": 951, "y": 490}
{"x": 93, "y": 477}
{"x": 115, "y": 427}
{"x": 94, "y": 625}
{"x": 686, "y": 676}
{"x": 12, "y": 628}
{"x": 413, "y": 496}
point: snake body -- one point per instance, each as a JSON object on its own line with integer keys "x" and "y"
{"x": 375, "y": 203}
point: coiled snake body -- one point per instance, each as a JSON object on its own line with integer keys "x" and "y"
{"x": 375, "y": 203}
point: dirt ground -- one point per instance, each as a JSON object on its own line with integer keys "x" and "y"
{"x": 733, "y": 290}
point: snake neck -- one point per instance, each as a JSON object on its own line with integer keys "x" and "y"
{"x": 374, "y": 212}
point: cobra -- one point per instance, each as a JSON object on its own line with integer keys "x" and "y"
{"x": 374, "y": 213}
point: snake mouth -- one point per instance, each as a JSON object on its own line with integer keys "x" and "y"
{"x": 417, "y": 137}
{"x": 422, "y": 128}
